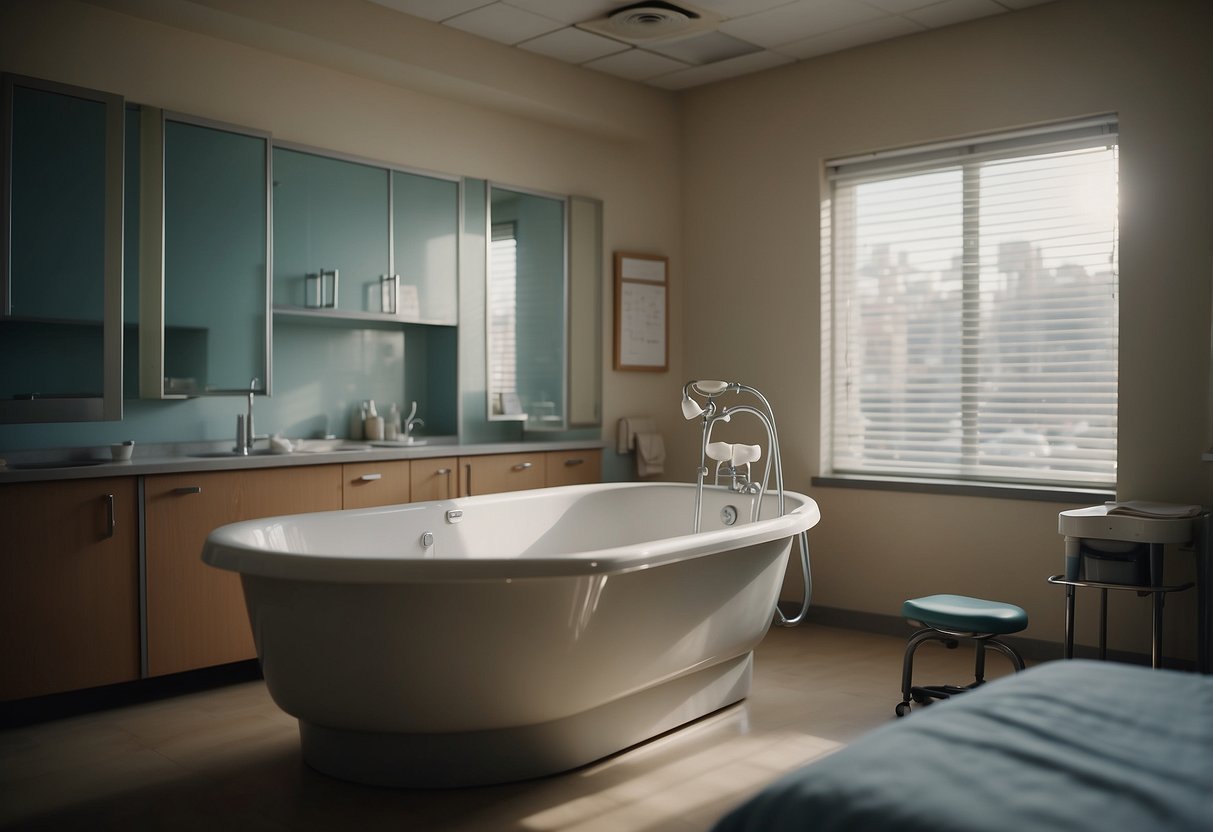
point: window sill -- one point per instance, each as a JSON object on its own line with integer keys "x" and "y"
{"x": 963, "y": 488}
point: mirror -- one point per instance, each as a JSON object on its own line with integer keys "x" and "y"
{"x": 526, "y": 308}
{"x": 60, "y": 253}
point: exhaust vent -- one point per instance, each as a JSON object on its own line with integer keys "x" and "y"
{"x": 653, "y": 22}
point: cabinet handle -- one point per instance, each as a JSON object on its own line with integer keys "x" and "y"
{"x": 569, "y": 463}
{"x": 371, "y": 477}
{"x": 188, "y": 489}
{"x": 110, "y": 520}
{"x": 445, "y": 472}
{"x": 522, "y": 466}
{"x": 468, "y": 468}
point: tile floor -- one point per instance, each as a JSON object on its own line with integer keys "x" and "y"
{"x": 228, "y": 759}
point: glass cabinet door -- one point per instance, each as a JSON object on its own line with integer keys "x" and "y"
{"x": 425, "y": 238}
{"x": 216, "y": 255}
{"x": 61, "y": 311}
{"x": 330, "y": 215}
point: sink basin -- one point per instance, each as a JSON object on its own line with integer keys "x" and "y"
{"x": 70, "y": 463}
{"x": 230, "y": 454}
{"x": 328, "y": 446}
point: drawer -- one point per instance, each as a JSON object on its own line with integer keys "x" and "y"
{"x": 366, "y": 484}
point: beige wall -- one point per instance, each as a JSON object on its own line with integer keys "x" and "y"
{"x": 354, "y": 77}
{"x": 752, "y": 190}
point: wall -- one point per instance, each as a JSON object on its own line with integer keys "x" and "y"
{"x": 752, "y": 191}
{"x": 354, "y": 77}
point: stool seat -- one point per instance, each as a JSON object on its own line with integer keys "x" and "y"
{"x": 962, "y": 614}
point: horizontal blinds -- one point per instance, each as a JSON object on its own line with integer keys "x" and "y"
{"x": 502, "y": 302}
{"x": 975, "y": 311}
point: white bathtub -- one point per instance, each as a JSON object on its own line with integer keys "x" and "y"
{"x": 532, "y": 633}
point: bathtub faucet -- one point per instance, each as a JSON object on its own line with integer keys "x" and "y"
{"x": 699, "y": 400}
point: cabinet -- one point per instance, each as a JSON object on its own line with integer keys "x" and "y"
{"x": 434, "y": 479}
{"x": 495, "y": 473}
{"x": 195, "y": 613}
{"x": 61, "y": 191}
{"x": 572, "y": 467}
{"x": 69, "y": 585}
{"x": 366, "y": 484}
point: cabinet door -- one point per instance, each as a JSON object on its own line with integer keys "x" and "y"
{"x": 69, "y": 586}
{"x": 330, "y": 214}
{"x": 434, "y": 479}
{"x": 195, "y": 612}
{"x": 216, "y": 250}
{"x": 500, "y": 472}
{"x": 573, "y": 467}
{"x": 366, "y": 484}
{"x": 425, "y": 224}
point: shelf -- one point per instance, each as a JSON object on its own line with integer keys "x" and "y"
{"x": 338, "y": 317}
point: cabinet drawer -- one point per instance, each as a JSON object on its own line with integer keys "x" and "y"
{"x": 573, "y": 467}
{"x": 434, "y": 479}
{"x": 366, "y": 484}
{"x": 495, "y": 473}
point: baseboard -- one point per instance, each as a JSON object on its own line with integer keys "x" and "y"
{"x": 1033, "y": 649}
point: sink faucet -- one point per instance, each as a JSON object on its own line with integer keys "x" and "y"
{"x": 412, "y": 422}
{"x": 245, "y": 435}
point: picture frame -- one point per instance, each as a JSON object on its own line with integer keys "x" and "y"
{"x": 642, "y": 312}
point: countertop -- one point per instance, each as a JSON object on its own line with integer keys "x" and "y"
{"x": 88, "y": 463}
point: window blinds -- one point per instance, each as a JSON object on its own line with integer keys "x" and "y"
{"x": 973, "y": 309}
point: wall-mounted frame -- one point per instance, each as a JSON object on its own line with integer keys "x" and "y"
{"x": 642, "y": 312}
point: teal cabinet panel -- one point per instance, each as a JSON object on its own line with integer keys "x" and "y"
{"x": 57, "y": 254}
{"x": 215, "y": 257}
{"x": 330, "y": 214}
{"x": 425, "y": 228}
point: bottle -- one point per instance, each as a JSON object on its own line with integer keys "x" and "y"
{"x": 357, "y": 417}
{"x": 391, "y": 428}
{"x": 372, "y": 428}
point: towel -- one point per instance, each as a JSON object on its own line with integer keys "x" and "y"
{"x": 650, "y": 454}
{"x": 628, "y": 427}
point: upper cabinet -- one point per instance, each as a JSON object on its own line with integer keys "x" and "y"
{"x": 361, "y": 241}
{"x": 205, "y": 254}
{"x": 60, "y": 253}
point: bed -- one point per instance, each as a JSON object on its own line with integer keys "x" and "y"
{"x": 1067, "y": 745}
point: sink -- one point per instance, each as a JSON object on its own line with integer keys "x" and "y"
{"x": 328, "y": 446}
{"x": 70, "y": 463}
{"x": 230, "y": 454}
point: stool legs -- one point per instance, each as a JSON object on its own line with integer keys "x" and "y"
{"x": 926, "y": 693}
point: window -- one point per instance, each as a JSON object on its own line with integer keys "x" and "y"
{"x": 503, "y": 301}
{"x": 972, "y": 309}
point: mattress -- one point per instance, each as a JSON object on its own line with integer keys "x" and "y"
{"x": 1067, "y": 745}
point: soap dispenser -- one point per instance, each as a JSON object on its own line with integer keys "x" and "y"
{"x": 373, "y": 428}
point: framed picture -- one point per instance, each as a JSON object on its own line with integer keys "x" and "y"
{"x": 642, "y": 314}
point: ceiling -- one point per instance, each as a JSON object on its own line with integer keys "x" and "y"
{"x": 717, "y": 39}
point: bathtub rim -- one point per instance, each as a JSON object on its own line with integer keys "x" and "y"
{"x": 224, "y": 550}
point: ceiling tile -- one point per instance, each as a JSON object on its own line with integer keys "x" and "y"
{"x": 436, "y": 10}
{"x": 704, "y": 49}
{"x": 954, "y": 11}
{"x": 869, "y": 32}
{"x": 573, "y": 45}
{"x": 899, "y": 6}
{"x": 798, "y": 20}
{"x": 502, "y": 23}
{"x": 635, "y": 65}
{"x": 719, "y": 71}
{"x": 567, "y": 11}
{"x": 737, "y": 8}
{"x": 1022, "y": 4}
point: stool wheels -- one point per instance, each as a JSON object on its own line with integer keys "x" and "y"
{"x": 903, "y": 708}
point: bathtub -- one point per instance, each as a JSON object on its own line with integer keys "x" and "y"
{"x": 507, "y": 636}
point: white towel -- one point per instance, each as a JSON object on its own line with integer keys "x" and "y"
{"x": 628, "y": 427}
{"x": 650, "y": 454}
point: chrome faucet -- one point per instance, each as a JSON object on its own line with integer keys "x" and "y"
{"x": 245, "y": 435}
{"x": 412, "y": 422}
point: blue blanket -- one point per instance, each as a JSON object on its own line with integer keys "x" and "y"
{"x": 1075, "y": 745}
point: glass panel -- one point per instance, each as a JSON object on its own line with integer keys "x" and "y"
{"x": 215, "y": 252}
{"x": 425, "y": 224}
{"x": 526, "y": 315}
{"x": 329, "y": 214}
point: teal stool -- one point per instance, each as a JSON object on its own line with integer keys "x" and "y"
{"x": 948, "y": 618}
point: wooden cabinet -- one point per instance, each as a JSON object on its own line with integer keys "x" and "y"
{"x": 69, "y": 585}
{"x": 366, "y": 484}
{"x": 434, "y": 479}
{"x": 494, "y": 473}
{"x": 572, "y": 467}
{"x": 195, "y": 613}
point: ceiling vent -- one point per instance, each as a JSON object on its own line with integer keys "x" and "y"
{"x": 653, "y": 22}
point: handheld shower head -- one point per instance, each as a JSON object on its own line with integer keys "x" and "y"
{"x": 690, "y": 408}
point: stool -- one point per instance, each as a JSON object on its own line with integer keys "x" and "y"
{"x": 948, "y": 618}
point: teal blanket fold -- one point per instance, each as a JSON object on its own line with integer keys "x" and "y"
{"x": 1068, "y": 745}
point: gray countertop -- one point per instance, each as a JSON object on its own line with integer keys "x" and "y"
{"x": 34, "y": 466}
